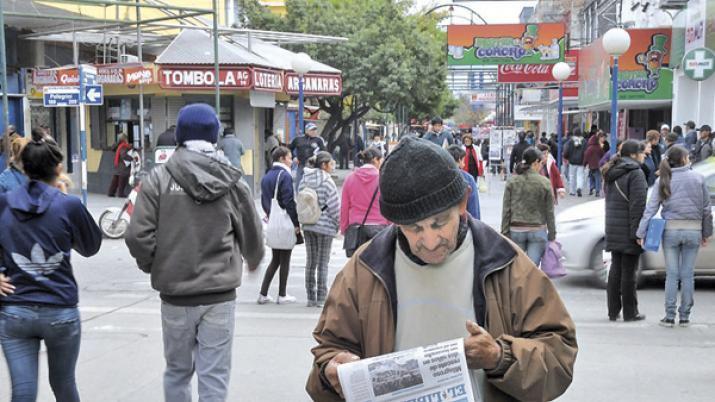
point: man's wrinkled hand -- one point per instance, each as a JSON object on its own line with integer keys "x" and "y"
{"x": 480, "y": 348}
{"x": 331, "y": 370}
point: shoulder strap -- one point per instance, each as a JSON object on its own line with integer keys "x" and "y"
{"x": 372, "y": 201}
{"x": 621, "y": 191}
{"x": 278, "y": 182}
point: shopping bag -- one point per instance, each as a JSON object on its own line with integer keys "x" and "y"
{"x": 654, "y": 235}
{"x": 280, "y": 232}
{"x": 551, "y": 263}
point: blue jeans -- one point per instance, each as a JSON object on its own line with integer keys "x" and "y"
{"x": 680, "y": 248}
{"x": 197, "y": 338}
{"x": 21, "y": 330}
{"x": 595, "y": 179}
{"x": 533, "y": 243}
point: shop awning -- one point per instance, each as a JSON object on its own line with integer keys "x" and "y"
{"x": 630, "y": 104}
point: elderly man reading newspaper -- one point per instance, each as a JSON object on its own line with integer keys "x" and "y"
{"x": 438, "y": 275}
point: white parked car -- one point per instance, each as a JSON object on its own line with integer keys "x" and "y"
{"x": 581, "y": 231}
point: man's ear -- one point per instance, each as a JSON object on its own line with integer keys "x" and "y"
{"x": 465, "y": 200}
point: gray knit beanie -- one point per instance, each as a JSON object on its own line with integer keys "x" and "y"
{"x": 418, "y": 180}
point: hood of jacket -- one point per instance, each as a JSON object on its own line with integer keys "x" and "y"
{"x": 593, "y": 140}
{"x": 367, "y": 174}
{"x": 314, "y": 177}
{"x": 202, "y": 177}
{"x": 31, "y": 200}
{"x": 620, "y": 168}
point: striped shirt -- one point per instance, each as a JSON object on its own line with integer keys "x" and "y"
{"x": 323, "y": 184}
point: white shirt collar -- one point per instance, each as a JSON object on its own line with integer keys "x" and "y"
{"x": 281, "y": 165}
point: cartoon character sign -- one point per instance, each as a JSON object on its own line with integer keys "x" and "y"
{"x": 652, "y": 60}
{"x": 528, "y": 39}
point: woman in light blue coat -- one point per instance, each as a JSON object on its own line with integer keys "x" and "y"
{"x": 685, "y": 201}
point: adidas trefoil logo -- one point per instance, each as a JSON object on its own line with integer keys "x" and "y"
{"x": 37, "y": 265}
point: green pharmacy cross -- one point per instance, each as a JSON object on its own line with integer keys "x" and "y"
{"x": 699, "y": 64}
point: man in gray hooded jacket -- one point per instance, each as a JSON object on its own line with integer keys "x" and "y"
{"x": 193, "y": 224}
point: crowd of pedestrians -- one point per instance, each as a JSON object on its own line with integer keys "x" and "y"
{"x": 395, "y": 223}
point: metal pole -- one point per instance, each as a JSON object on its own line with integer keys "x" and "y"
{"x": 614, "y": 107}
{"x": 300, "y": 104}
{"x": 141, "y": 86}
{"x": 216, "y": 65}
{"x": 3, "y": 63}
{"x": 83, "y": 136}
{"x": 560, "y": 124}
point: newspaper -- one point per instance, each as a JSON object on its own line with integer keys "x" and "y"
{"x": 436, "y": 373}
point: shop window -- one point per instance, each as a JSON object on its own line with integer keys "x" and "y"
{"x": 226, "y": 114}
{"x": 119, "y": 115}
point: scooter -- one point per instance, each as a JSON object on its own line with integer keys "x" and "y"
{"x": 114, "y": 221}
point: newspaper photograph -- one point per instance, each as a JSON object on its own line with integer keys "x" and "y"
{"x": 435, "y": 373}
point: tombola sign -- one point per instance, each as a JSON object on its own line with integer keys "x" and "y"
{"x": 505, "y": 44}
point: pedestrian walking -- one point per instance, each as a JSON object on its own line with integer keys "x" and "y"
{"x": 678, "y": 131}
{"x": 574, "y": 152}
{"x": 193, "y": 224}
{"x": 683, "y": 199}
{"x": 122, "y": 168}
{"x": 377, "y": 143}
{"x": 517, "y": 152}
{"x": 479, "y": 286}
{"x": 305, "y": 147}
{"x": 550, "y": 170}
{"x": 319, "y": 236}
{"x": 38, "y": 291}
{"x": 271, "y": 143}
{"x": 359, "y": 210}
{"x": 473, "y": 160}
{"x": 232, "y": 147}
{"x": 673, "y": 139}
{"x": 438, "y": 135}
{"x": 528, "y": 211}
{"x": 13, "y": 177}
{"x": 460, "y": 156}
{"x": 626, "y": 189}
{"x": 691, "y": 136}
{"x": 703, "y": 149}
{"x": 656, "y": 154}
{"x": 592, "y": 158}
{"x": 166, "y": 139}
{"x": 279, "y": 178}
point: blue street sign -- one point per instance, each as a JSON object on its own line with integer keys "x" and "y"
{"x": 92, "y": 95}
{"x": 60, "y": 96}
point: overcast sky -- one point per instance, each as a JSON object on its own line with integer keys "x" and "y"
{"x": 495, "y": 12}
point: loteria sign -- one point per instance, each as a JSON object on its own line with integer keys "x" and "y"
{"x": 315, "y": 84}
{"x": 267, "y": 80}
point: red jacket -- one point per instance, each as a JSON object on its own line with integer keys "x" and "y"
{"x": 472, "y": 163}
{"x": 594, "y": 153}
{"x": 551, "y": 171}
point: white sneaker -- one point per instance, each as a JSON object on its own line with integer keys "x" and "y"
{"x": 287, "y": 299}
{"x": 264, "y": 299}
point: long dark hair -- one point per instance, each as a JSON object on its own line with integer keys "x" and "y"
{"x": 530, "y": 156}
{"x": 41, "y": 157}
{"x": 674, "y": 158}
{"x": 320, "y": 159}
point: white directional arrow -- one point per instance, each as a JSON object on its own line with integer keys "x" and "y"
{"x": 93, "y": 95}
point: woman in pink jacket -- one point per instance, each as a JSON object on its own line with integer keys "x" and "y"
{"x": 360, "y": 202}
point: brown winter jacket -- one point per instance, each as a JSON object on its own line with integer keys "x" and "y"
{"x": 513, "y": 300}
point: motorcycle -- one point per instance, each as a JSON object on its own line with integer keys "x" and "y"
{"x": 114, "y": 221}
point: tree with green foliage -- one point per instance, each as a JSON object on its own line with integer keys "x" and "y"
{"x": 392, "y": 59}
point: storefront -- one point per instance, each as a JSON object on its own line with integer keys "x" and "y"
{"x": 645, "y": 83}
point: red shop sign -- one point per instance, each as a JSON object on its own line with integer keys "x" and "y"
{"x": 525, "y": 73}
{"x": 204, "y": 78}
{"x": 138, "y": 75}
{"x": 267, "y": 80}
{"x": 315, "y": 84}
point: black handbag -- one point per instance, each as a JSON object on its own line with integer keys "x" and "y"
{"x": 359, "y": 234}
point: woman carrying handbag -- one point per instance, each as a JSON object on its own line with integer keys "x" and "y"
{"x": 360, "y": 217}
{"x": 283, "y": 230}
{"x": 685, "y": 200}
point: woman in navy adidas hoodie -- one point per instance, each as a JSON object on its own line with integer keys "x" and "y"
{"x": 38, "y": 292}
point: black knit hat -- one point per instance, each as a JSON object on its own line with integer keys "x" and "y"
{"x": 418, "y": 180}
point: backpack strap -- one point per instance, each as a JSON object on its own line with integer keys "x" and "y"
{"x": 621, "y": 191}
{"x": 278, "y": 182}
{"x": 372, "y": 201}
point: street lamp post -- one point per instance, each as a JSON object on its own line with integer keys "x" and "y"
{"x": 561, "y": 72}
{"x": 301, "y": 65}
{"x": 615, "y": 42}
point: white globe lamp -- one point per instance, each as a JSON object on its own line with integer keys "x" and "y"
{"x": 561, "y": 71}
{"x": 301, "y": 63}
{"x": 616, "y": 41}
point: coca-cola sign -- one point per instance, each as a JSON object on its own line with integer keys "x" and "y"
{"x": 525, "y": 73}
